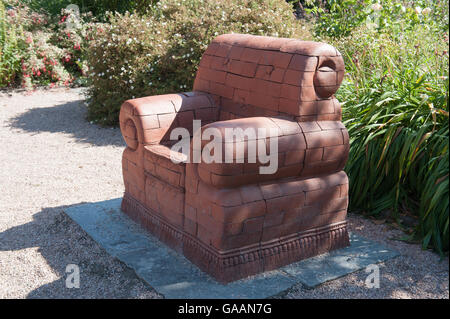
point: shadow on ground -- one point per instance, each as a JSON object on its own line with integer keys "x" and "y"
{"x": 61, "y": 242}
{"x": 68, "y": 118}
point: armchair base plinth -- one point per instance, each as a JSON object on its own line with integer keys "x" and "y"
{"x": 234, "y": 264}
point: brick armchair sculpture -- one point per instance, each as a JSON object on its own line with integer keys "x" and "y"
{"x": 227, "y": 218}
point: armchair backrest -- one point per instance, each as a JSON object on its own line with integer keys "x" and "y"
{"x": 266, "y": 76}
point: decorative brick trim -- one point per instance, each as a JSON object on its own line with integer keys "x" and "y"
{"x": 231, "y": 265}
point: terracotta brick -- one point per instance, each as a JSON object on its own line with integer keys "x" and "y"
{"x": 253, "y": 225}
{"x": 331, "y": 125}
{"x": 303, "y": 63}
{"x": 221, "y": 90}
{"x": 285, "y": 203}
{"x": 236, "y": 52}
{"x": 279, "y": 230}
{"x": 334, "y": 152}
{"x": 328, "y": 117}
{"x": 250, "y": 193}
{"x": 241, "y": 96}
{"x": 166, "y": 120}
{"x": 264, "y": 101}
{"x": 208, "y": 222}
{"x": 266, "y": 87}
{"x": 247, "y": 69}
{"x": 205, "y": 61}
{"x": 190, "y": 226}
{"x": 290, "y": 92}
{"x": 204, "y": 234}
{"x": 345, "y": 136}
{"x": 323, "y": 138}
{"x": 317, "y": 196}
{"x": 222, "y": 50}
{"x": 273, "y": 219}
{"x": 291, "y": 142}
{"x": 286, "y": 126}
{"x": 289, "y": 106}
{"x": 270, "y": 73}
{"x": 322, "y": 167}
{"x": 212, "y": 48}
{"x": 277, "y": 59}
{"x": 294, "y": 157}
{"x": 232, "y": 228}
{"x": 212, "y": 75}
{"x": 326, "y": 106}
{"x": 238, "y": 241}
{"x": 344, "y": 190}
{"x": 251, "y": 55}
{"x": 298, "y": 78}
{"x": 184, "y": 119}
{"x": 239, "y": 82}
{"x": 168, "y": 175}
{"x": 207, "y": 114}
{"x": 239, "y": 213}
{"x": 271, "y": 190}
{"x": 314, "y": 155}
{"x": 219, "y": 63}
{"x": 334, "y": 204}
{"x": 202, "y": 85}
{"x": 204, "y": 174}
{"x": 221, "y": 197}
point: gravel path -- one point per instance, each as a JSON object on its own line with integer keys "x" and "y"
{"x": 52, "y": 158}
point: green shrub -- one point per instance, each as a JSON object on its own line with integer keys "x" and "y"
{"x": 159, "y": 53}
{"x": 395, "y": 107}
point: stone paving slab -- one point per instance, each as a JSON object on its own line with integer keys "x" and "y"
{"x": 172, "y": 275}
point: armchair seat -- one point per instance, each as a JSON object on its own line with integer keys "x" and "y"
{"x": 238, "y": 215}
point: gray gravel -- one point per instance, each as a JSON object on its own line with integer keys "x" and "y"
{"x": 53, "y": 158}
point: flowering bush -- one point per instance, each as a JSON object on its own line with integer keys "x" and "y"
{"x": 159, "y": 53}
{"x": 38, "y": 51}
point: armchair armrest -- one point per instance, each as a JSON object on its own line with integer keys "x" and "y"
{"x": 149, "y": 120}
{"x": 283, "y": 142}
{"x": 301, "y": 149}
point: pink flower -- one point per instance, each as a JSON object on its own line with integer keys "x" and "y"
{"x": 29, "y": 39}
